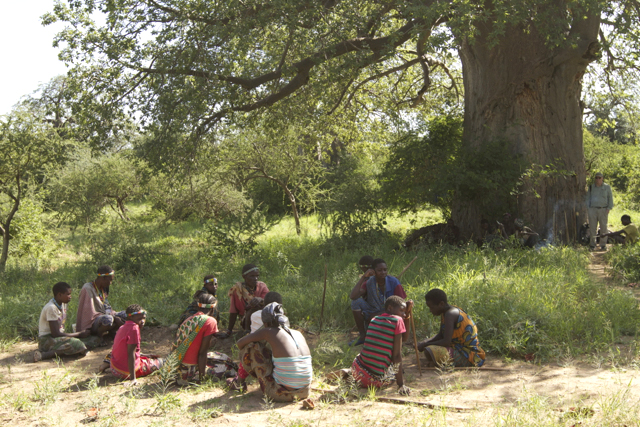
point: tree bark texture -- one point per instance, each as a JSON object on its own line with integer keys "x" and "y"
{"x": 6, "y": 227}
{"x": 529, "y": 95}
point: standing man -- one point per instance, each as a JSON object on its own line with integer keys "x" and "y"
{"x": 599, "y": 203}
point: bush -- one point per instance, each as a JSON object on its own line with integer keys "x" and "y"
{"x": 625, "y": 260}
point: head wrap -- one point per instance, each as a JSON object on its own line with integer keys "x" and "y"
{"x": 212, "y": 279}
{"x": 519, "y": 223}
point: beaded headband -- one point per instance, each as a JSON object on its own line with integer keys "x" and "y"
{"x": 213, "y": 279}
{"x": 250, "y": 270}
{"x": 106, "y": 274}
{"x": 201, "y": 305}
{"x": 136, "y": 312}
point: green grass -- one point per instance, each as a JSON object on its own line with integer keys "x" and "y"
{"x": 523, "y": 301}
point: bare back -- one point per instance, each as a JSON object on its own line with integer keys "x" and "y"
{"x": 283, "y": 345}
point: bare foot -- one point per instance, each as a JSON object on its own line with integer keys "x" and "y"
{"x": 103, "y": 367}
{"x": 37, "y": 356}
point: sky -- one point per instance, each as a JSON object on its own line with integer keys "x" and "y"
{"x": 28, "y": 57}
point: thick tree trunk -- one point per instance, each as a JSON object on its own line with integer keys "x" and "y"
{"x": 529, "y": 95}
{"x": 6, "y": 226}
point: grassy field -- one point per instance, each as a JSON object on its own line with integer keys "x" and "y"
{"x": 524, "y": 302}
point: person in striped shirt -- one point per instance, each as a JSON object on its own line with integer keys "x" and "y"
{"x": 380, "y": 360}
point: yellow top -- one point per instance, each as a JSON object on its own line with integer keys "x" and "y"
{"x": 631, "y": 233}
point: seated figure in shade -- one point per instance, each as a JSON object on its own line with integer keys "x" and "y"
{"x": 369, "y": 294}
{"x": 210, "y": 287}
{"x": 94, "y": 310}
{"x": 457, "y": 339}
{"x": 628, "y": 235}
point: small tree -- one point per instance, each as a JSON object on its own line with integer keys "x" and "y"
{"x": 27, "y": 145}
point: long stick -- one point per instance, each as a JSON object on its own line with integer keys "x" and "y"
{"x": 407, "y": 267}
{"x": 413, "y": 325}
{"x": 415, "y": 343}
{"x": 324, "y": 292}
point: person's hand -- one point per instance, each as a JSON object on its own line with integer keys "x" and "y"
{"x": 369, "y": 273}
{"x": 256, "y": 302}
{"x": 118, "y": 321}
{"x": 131, "y": 383}
{"x": 421, "y": 346}
{"x": 409, "y": 307}
{"x": 403, "y": 390}
{"x": 84, "y": 333}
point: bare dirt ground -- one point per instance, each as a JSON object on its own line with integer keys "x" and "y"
{"x": 51, "y": 393}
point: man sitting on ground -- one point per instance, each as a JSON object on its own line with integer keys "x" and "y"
{"x": 370, "y": 293}
{"x": 457, "y": 339}
{"x": 94, "y": 310}
{"x": 53, "y": 341}
{"x": 630, "y": 232}
{"x": 285, "y": 371}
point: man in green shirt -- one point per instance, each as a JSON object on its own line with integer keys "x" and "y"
{"x": 599, "y": 203}
{"x": 630, "y": 231}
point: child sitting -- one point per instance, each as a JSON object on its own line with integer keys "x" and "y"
{"x": 52, "y": 339}
{"x": 381, "y": 355}
{"x": 458, "y": 336}
{"x": 210, "y": 287}
{"x": 125, "y": 359}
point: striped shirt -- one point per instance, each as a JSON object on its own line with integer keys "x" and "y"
{"x": 377, "y": 351}
{"x": 294, "y": 372}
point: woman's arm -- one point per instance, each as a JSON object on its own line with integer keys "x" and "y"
{"x": 131, "y": 361}
{"x": 259, "y": 335}
{"x": 444, "y": 339}
{"x": 202, "y": 355}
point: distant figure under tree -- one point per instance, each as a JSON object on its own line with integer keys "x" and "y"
{"x": 599, "y": 204}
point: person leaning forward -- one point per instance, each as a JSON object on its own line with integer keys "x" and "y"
{"x": 599, "y": 204}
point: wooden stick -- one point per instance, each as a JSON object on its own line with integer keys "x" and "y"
{"x": 407, "y": 267}
{"x": 413, "y": 325}
{"x": 464, "y": 368}
{"x": 416, "y": 402}
{"x": 324, "y": 292}
{"x": 566, "y": 227}
{"x": 415, "y": 343}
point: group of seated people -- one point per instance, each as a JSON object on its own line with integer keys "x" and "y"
{"x": 272, "y": 352}
{"x": 505, "y": 229}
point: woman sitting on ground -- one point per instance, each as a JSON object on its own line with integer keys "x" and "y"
{"x": 194, "y": 338}
{"x": 285, "y": 371}
{"x": 246, "y": 297}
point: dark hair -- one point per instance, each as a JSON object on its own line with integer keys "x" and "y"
{"x": 436, "y": 295}
{"x": 393, "y": 301}
{"x": 247, "y": 267}
{"x": 60, "y": 288}
{"x": 366, "y": 260}
{"x": 625, "y": 216}
{"x": 484, "y": 221}
{"x": 272, "y": 297}
{"x": 207, "y": 299}
{"x": 376, "y": 262}
{"x": 104, "y": 269}
{"x": 133, "y": 308}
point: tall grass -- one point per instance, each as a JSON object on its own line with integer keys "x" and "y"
{"x": 541, "y": 302}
